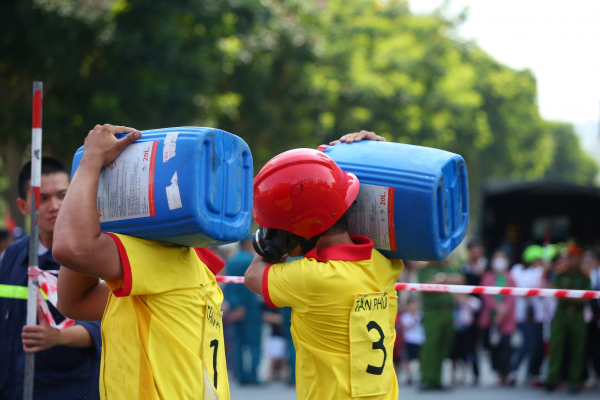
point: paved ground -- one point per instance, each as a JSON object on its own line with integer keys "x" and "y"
{"x": 282, "y": 392}
{"x": 486, "y": 391}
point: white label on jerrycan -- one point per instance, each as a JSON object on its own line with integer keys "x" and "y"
{"x": 169, "y": 146}
{"x": 173, "y": 196}
{"x": 126, "y": 188}
{"x": 373, "y": 216}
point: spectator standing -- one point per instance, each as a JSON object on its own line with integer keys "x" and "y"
{"x": 529, "y": 313}
{"x": 473, "y": 269}
{"x": 498, "y": 315}
{"x": 475, "y": 266}
{"x": 413, "y": 335}
{"x": 465, "y": 310}
{"x": 67, "y": 361}
{"x": 245, "y": 315}
{"x": 438, "y": 324}
{"x": 568, "y": 323}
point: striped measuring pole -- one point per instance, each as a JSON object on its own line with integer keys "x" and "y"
{"x": 507, "y": 291}
{"x": 36, "y": 176}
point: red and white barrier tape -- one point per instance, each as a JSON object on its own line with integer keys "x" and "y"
{"x": 230, "y": 279}
{"x": 47, "y": 282}
{"x": 508, "y": 291}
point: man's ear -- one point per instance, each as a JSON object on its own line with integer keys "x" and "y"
{"x": 22, "y": 204}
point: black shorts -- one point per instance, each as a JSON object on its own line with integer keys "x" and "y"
{"x": 460, "y": 348}
{"x": 411, "y": 351}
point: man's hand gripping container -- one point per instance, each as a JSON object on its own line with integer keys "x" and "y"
{"x": 189, "y": 186}
{"x": 413, "y": 201}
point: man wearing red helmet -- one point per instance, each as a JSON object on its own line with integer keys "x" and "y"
{"x": 341, "y": 292}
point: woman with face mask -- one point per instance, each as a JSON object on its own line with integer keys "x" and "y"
{"x": 497, "y": 317}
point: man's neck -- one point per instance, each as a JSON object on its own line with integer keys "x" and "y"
{"x": 333, "y": 240}
{"x": 46, "y": 239}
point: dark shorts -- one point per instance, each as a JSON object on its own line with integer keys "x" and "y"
{"x": 411, "y": 351}
{"x": 460, "y": 348}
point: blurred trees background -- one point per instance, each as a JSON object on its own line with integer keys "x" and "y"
{"x": 280, "y": 74}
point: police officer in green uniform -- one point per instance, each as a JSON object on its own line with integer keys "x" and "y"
{"x": 568, "y": 321}
{"x": 438, "y": 323}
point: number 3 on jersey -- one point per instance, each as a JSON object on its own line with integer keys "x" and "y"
{"x": 371, "y": 369}
{"x": 213, "y": 354}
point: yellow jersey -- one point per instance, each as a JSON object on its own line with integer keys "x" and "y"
{"x": 344, "y": 306}
{"x": 162, "y": 335}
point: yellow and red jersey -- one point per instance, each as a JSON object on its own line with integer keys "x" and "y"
{"x": 344, "y": 307}
{"x": 158, "y": 323}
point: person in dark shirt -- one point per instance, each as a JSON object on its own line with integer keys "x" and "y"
{"x": 67, "y": 361}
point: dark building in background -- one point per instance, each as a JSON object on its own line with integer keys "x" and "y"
{"x": 516, "y": 214}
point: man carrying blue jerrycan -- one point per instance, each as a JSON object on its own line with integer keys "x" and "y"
{"x": 341, "y": 292}
{"x": 159, "y": 302}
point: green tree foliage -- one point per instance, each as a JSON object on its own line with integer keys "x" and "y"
{"x": 43, "y": 40}
{"x": 570, "y": 162}
{"x": 280, "y": 74}
{"x": 404, "y": 76}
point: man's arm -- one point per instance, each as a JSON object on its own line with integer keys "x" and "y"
{"x": 78, "y": 243}
{"x": 43, "y": 336}
{"x": 81, "y": 297}
{"x": 254, "y": 274}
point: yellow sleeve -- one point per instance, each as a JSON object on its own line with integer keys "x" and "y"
{"x": 284, "y": 285}
{"x": 397, "y": 265}
{"x": 149, "y": 267}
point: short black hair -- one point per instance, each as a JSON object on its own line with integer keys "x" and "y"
{"x": 50, "y": 165}
{"x": 341, "y": 225}
{"x": 473, "y": 243}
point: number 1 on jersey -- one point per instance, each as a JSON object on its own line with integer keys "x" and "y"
{"x": 215, "y": 344}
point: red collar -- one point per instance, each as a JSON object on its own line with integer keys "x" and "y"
{"x": 360, "y": 250}
{"x": 212, "y": 261}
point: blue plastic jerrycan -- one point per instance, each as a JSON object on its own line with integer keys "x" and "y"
{"x": 413, "y": 201}
{"x": 189, "y": 186}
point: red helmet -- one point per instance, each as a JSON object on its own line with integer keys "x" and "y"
{"x": 302, "y": 191}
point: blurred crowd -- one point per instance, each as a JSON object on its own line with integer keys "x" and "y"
{"x": 538, "y": 341}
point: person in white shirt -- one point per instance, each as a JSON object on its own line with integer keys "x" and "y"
{"x": 413, "y": 333}
{"x": 530, "y": 313}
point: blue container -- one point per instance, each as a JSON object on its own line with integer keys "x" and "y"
{"x": 189, "y": 186}
{"x": 413, "y": 201}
